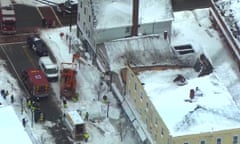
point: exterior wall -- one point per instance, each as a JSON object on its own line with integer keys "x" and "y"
{"x": 147, "y": 112}
{"x": 156, "y": 28}
{"x": 226, "y": 136}
{"x": 102, "y": 35}
{"x": 85, "y": 20}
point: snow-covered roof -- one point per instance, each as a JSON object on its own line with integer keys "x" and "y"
{"x": 75, "y": 117}
{"x": 213, "y": 110}
{"x": 12, "y": 130}
{"x": 115, "y": 13}
{"x": 133, "y": 50}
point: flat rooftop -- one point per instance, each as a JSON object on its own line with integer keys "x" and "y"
{"x": 10, "y": 124}
{"x": 214, "y": 110}
{"x": 116, "y": 13}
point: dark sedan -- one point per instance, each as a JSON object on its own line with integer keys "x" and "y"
{"x": 37, "y": 45}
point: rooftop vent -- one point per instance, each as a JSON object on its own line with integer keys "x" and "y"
{"x": 184, "y": 49}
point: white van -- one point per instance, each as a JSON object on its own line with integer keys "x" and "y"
{"x": 75, "y": 124}
{"x": 49, "y": 68}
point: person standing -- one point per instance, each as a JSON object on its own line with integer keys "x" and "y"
{"x": 86, "y": 136}
{"x": 86, "y": 116}
{"x": 12, "y": 99}
{"x": 28, "y": 103}
{"x": 24, "y": 122}
{"x": 41, "y": 117}
{"x": 64, "y": 103}
{"x": 191, "y": 94}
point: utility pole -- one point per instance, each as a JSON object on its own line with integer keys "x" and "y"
{"x": 21, "y": 105}
{"x": 70, "y": 27}
{"x": 108, "y": 104}
{"x": 32, "y": 116}
{"x": 70, "y": 24}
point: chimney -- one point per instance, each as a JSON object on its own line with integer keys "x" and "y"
{"x": 135, "y": 17}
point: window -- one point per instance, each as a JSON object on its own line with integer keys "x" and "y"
{"x": 78, "y": 16}
{"x": 88, "y": 33}
{"x": 156, "y": 121}
{"x": 147, "y": 106}
{"x": 235, "y": 139}
{"x": 162, "y": 132}
{"x": 202, "y": 142}
{"x": 140, "y": 111}
{"x": 141, "y": 95}
{"x": 81, "y": 4}
{"x": 135, "y": 86}
{"x": 219, "y": 141}
{"x": 89, "y": 18}
{"x": 127, "y": 29}
{"x": 85, "y": 10}
{"x": 185, "y": 143}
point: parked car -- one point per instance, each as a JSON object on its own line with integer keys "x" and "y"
{"x": 37, "y": 45}
{"x": 49, "y": 68}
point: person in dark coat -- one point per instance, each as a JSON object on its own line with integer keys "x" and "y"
{"x": 191, "y": 94}
{"x": 86, "y": 116}
{"x": 2, "y": 92}
{"x": 12, "y": 99}
{"x": 24, "y": 122}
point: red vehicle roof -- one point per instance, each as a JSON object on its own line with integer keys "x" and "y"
{"x": 37, "y": 76}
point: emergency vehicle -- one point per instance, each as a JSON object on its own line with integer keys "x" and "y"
{"x": 7, "y": 17}
{"x": 36, "y": 82}
{"x": 75, "y": 125}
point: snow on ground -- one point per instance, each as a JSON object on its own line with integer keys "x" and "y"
{"x": 11, "y": 126}
{"x": 36, "y": 132}
{"x": 88, "y": 86}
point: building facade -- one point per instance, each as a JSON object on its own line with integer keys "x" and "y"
{"x": 156, "y": 127}
{"x": 152, "y": 121}
{"x": 85, "y": 26}
{"x": 91, "y": 34}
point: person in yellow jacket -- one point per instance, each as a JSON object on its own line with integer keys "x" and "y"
{"x": 28, "y": 103}
{"x": 86, "y": 136}
{"x": 41, "y": 117}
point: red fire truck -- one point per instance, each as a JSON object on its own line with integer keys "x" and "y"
{"x": 7, "y": 17}
{"x": 36, "y": 82}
